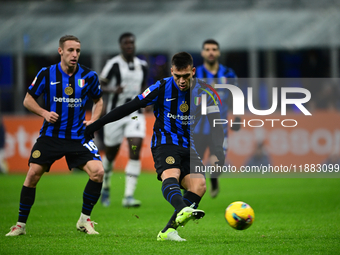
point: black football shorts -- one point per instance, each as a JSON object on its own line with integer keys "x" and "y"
{"x": 47, "y": 149}
{"x": 173, "y": 156}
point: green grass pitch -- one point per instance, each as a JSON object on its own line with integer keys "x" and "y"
{"x": 292, "y": 216}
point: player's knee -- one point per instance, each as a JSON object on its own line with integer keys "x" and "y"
{"x": 32, "y": 178}
{"x": 199, "y": 188}
{"x": 100, "y": 173}
{"x": 202, "y": 188}
{"x": 97, "y": 174}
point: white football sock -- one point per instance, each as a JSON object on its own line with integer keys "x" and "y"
{"x": 84, "y": 217}
{"x": 107, "y": 173}
{"x": 132, "y": 171}
{"x": 21, "y": 224}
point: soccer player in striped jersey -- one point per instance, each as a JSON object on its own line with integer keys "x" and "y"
{"x": 123, "y": 78}
{"x": 66, "y": 87}
{"x": 177, "y": 108}
{"x": 213, "y": 72}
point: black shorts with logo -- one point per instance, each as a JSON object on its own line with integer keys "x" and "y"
{"x": 47, "y": 150}
{"x": 168, "y": 156}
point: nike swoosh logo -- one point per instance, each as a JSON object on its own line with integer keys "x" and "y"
{"x": 172, "y": 188}
{"x": 97, "y": 155}
{"x": 54, "y": 83}
{"x": 170, "y": 99}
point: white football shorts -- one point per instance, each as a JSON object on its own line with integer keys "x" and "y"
{"x": 132, "y": 125}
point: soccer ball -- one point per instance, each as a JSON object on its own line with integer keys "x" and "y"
{"x": 239, "y": 215}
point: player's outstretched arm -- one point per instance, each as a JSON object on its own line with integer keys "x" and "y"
{"x": 114, "y": 115}
{"x": 31, "y": 104}
{"x": 217, "y": 137}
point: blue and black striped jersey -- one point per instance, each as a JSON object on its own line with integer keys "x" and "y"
{"x": 224, "y": 75}
{"x": 176, "y": 111}
{"x": 66, "y": 95}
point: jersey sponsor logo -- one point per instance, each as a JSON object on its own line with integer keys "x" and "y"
{"x": 33, "y": 82}
{"x": 54, "y": 83}
{"x": 170, "y": 99}
{"x": 72, "y": 102}
{"x": 186, "y": 119}
{"x": 81, "y": 83}
{"x": 146, "y": 92}
{"x": 67, "y": 100}
{"x": 181, "y": 117}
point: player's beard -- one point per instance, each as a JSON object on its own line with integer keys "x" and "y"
{"x": 211, "y": 62}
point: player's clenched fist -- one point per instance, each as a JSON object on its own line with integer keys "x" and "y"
{"x": 51, "y": 117}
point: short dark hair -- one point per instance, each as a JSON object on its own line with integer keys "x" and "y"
{"x": 127, "y": 34}
{"x": 182, "y": 60}
{"x": 210, "y": 41}
{"x": 65, "y": 38}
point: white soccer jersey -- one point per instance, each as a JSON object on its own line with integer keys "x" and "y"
{"x": 117, "y": 72}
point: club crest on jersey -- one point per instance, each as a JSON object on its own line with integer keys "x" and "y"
{"x": 184, "y": 107}
{"x": 33, "y": 82}
{"x": 197, "y": 101}
{"x": 68, "y": 90}
{"x": 146, "y": 92}
{"x": 81, "y": 83}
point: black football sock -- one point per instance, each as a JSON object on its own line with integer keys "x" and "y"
{"x": 90, "y": 196}
{"x": 191, "y": 199}
{"x": 171, "y": 223}
{"x": 172, "y": 193}
{"x": 27, "y": 198}
{"x": 214, "y": 183}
